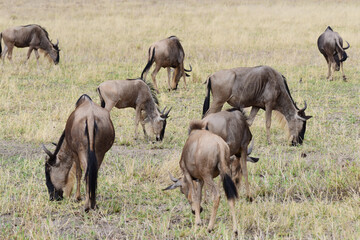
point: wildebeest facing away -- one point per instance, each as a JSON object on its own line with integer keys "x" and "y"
{"x": 33, "y": 36}
{"x": 231, "y": 125}
{"x": 330, "y": 45}
{"x": 88, "y": 135}
{"x": 137, "y": 94}
{"x": 167, "y": 53}
{"x": 205, "y": 156}
{"x": 256, "y": 87}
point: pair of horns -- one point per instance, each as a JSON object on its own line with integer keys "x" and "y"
{"x": 165, "y": 114}
{"x": 304, "y": 108}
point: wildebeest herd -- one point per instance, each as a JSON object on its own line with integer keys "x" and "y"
{"x": 218, "y": 144}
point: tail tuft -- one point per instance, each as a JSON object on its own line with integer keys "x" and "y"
{"x": 229, "y": 187}
{"x": 92, "y": 173}
{"x": 149, "y": 63}
{"x": 207, "y": 98}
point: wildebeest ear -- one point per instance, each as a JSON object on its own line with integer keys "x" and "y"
{"x": 308, "y": 117}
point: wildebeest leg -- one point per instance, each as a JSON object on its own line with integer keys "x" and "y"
{"x": 3, "y": 54}
{"x": 216, "y": 200}
{"x": 169, "y": 76}
{"x": 268, "y": 111}
{"x": 37, "y": 56}
{"x": 28, "y": 54}
{"x": 329, "y": 71}
{"x": 137, "y": 120}
{"x": 245, "y": 172}
{"x": 342, "y": 70}
{"x": 197, "y": 187}
{"x": 70, "y": 181}
{"x": 175, "y": 75}
{"x": 253, "y": 112}
{"x": 142, "y": 122}
{"x": 10, "y": 49}
{"x": 183, "y": 73}
{"x": 232, "y": 211}
{"x": 83, "y": 162}
{"x": 78, "y": 180}
{"x": 153, "y": 76}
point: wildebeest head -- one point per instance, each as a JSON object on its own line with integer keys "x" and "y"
{"x": 159, "y": 124}
{"x": 55, "y": 193}
{"x": 337, "y": 59}
{"x": 297, "y": 126}
{"x": 183, "y": 188}
{"x": 54, "y": 52}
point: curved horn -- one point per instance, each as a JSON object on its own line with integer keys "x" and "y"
{"x": 188, "y": 70}
{"x": 162, "y": 112}
{"x": 173, "y": 178}
{"x": 347, "y": 46}
{"x": 46, "y": 150}
{"x": 303, "y": 109}
{"x": 251, "y": 147}
{"x": 344, "y": 57}
{"x": 167, "y": 113}
{"x": 57, "y": 42}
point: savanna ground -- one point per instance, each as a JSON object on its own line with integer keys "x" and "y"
{"x": 305, "y": 192}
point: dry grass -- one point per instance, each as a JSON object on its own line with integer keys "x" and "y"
{"x": 296, "y": 198}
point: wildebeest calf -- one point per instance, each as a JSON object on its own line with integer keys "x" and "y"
{"x": 231, "y": 125}
{"x": 205, "y": 156}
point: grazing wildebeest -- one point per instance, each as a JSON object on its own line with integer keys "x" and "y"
{"x": 167, "y": 53}
{"x": 330, "y": 44}
{"x": 33, "y": 36}
{"x": 139, "y": 95}
{"x": 205, "y": 156}
{"x": 231, "y": 125}
{"x": 88, "y": 135}
{"x": 256, "y": 87}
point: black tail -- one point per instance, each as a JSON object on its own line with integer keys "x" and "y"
{"x": 229, "y": 187}
{"x": 207, "y": 98}
{"x": 101, "y": 98}
{"x": 148, "y": 65}
{"x": 91, "y": 170}
{"x": 0, "y": 43}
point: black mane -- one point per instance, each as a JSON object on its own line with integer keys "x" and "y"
{"x": 288, "y": 91}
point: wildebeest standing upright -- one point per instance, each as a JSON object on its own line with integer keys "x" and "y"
{"x": 205, "y": 156}
{"x": 33, "y": 36}
{"x": 137, "y": 94}
{"x": 330, "y": 45}
{"x": 231, "y": 125}
{"x": 256, "y": 87}
{"x": 167, "y": 53}
{"x": 88, "y": 135}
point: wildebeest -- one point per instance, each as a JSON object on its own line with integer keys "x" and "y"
{"x": 167, "y": 53}
{"x": 256, "y": 87}
{"x": 137, "y": 94}
{"x": 33, "y": 36}
{"x": 330, "y": 45}
{"x": 88, "y": 135}
{"x": 231, "y": 125}
{"x": 205, "y": 156}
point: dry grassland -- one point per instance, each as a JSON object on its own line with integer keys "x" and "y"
{"x": 312, "y": 197}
